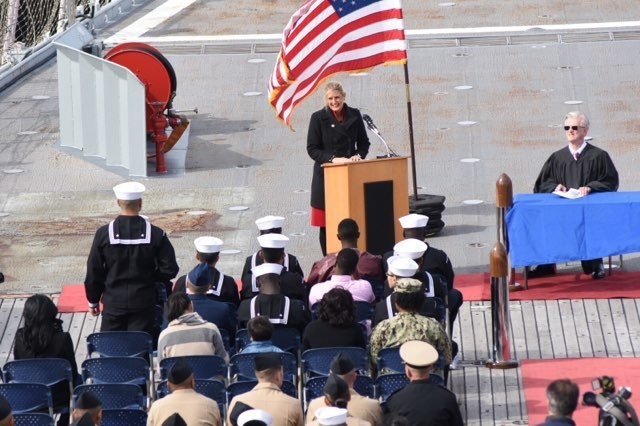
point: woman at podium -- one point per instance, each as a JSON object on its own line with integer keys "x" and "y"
{"x": 336, "y": 135}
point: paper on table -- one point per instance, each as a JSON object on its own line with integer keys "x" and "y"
{"x": 571, "y": 194}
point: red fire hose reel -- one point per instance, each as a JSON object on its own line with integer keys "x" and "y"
{"x": 159, "y": 79}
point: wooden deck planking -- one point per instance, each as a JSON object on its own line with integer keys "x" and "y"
{"x": 621, "y": 328}
{"x": 556, "y": 329}
{"x": 630, "y": 307}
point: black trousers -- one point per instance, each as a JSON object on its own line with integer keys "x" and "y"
{"x": 589, "y": 266}
{"x": 121, "y": 320}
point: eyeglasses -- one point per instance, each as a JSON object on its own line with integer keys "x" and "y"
{"x": 566, "y": 128}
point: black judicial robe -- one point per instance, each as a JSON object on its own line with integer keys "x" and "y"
{"x": 593, "y": 168}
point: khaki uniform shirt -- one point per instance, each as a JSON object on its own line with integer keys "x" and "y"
{"x": 285, "y": 410}
{"x": 195, "y": 409}
{"x": 360, "y": 407}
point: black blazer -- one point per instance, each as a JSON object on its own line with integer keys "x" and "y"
{"x": 328, "y": 138}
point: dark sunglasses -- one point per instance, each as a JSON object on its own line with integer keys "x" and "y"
{"x": 566, "y": 128}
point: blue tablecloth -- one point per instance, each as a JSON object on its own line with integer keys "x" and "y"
{"x": 546, "y": 228}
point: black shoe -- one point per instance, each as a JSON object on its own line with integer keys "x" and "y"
{"x": 542, "y": 270}
{"x": 598, "y": 271}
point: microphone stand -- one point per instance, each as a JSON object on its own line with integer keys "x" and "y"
{"x": 372, "y": 127}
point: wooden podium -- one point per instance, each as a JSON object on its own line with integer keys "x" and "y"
{"x": 372, "y": 192}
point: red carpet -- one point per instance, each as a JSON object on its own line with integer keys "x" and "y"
{"x": 72, "y": 299}
{"x": 560, "y": 286}
{"x": 537, "y": 374}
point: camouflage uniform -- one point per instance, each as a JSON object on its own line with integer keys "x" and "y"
{"x": 410, "y": 326}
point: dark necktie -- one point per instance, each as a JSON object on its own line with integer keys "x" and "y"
{"x": 576, "y": 156}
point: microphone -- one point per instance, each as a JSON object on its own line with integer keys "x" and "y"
{"x": 368, "y": 121}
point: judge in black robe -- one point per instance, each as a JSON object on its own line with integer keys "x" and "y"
{"x": 582, "y": 166}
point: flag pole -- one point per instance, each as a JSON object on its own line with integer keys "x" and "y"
{"x": 411, "y": 143}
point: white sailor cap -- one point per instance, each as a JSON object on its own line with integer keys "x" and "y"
{"x": 129, "y": 191}
{"x": 413, "y": 220}
{"x": 402, "y": 267}
{"x": 269, "y": 222}
{"x": 254, "y": 415}
{"x": 411, "y": 248}
{"x": 273, "y": 241}
{"x": 328, "y": 416}
{"x": 208, "y": 244}
{"x": 267, "y": 268}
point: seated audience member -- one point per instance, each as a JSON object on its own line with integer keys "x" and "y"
{"x": 336, "y": 395}
{"x": 409, "y": 325}
{"x": 42, "y": 337}
{"x": 194, "y": 408}
{"x": 268, "y": 225}
{"x": 260, "y": 331}
{"x": 369, "y": 265}
{"x": 359, "y": 406}
{"x": 219, "y": 313}
{"x": 336, "y": 324}
{"x": 416, "y": 249}
{"x": 267, "y": 396}
{"x": 346, "y": 264}
{"x": 87, "y": 403}
{"x": 563, "y": 399}
{"x": 6, "y": 416}
{"x": 422, "y": 403}
{"x": 187, "y": 333}
{"x": 401, "y": 267}
{"x": 281, "y": 310}
{"x": 221, "y": 287}
{"x": 272, "y": 251}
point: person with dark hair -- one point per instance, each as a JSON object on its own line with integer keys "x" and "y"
{"x": 369, "y": 265}
{"x": 346, "y": 264}
{"x": 87, "y": 403}
{"x": 128, "y": 258}
{"x": 222, "y": 314}
{"x": 260, "y": 331}
{"x": 6, "y": 416}
{"x": 422, "y": 402}
{"x": 267, "y": 395}
{"x": 336, "y": 395}
{"x": 336, "y": 324}
{"x": 194, "y": 408}
{"x": 282, "y": 310}
{"x": 272, "y": 250}
{"x": 221, "y": 287}
{"x": 410, "y": 325}
{"x": 42, "y": 337}
{"x": 563, "y": 396}
{"x": 359, "y": 406}
{"x": 187, "y": 333}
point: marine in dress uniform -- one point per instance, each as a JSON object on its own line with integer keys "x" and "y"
{"x": 421, "y": 402}
{"x": 127, "y": 258}
{"x": 410, "y": 325}
{"x": 267, "y": 396}
{"x": 273, "y": 251}
{"x": 282, "y": 311}
{"x": 581, "y": 166}
{"x": 222, "y": 287}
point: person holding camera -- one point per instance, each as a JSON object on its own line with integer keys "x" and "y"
{"x": 563, "y": 400}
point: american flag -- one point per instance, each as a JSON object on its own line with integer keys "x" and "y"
{"x": 325, "y": 37}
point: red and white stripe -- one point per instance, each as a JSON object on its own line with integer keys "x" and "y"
{"x": 318, "y": 43}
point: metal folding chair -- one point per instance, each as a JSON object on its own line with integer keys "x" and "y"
{"x": 47, "y": 371}
{"x": 114, "y": 395}
{"x": 316, "y": 362}
{"x": 27, "y": 397}
{"x": 33, "y": 419}
{"x": 117, "y": 370}
{"x": 124, "y": 417}
{"x": 241, "y": 366}
{"x": 387, "y": 384}
{"x": 204, "y": 366}
{"x": 120, "y": 343}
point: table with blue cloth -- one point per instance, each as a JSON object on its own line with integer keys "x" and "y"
{"x": 547, "y": 228}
